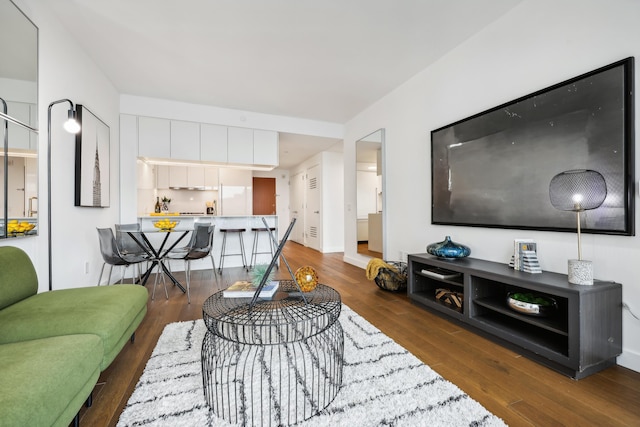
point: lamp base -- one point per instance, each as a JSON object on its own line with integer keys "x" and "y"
{"x": 580, "y": 272}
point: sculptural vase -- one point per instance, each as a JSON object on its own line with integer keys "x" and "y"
{"x": 448, "y": 249}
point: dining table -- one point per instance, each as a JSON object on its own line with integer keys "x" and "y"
{"x": 158, "y": 255}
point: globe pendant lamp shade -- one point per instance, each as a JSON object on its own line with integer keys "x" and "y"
{"x": 577, "y": 191}
{"x": 72, "y": 125}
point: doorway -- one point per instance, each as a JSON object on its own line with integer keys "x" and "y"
{"x": 264, "y": 196}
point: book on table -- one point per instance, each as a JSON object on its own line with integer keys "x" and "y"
{"x": 245, "y": 289}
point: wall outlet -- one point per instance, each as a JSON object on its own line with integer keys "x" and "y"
{"x": 86, "y": 267}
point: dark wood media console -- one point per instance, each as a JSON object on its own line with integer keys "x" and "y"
{"x": 583, "y": 336}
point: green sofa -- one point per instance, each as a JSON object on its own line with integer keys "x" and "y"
{"x": 53, "y": 345}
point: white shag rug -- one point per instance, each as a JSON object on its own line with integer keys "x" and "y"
{"x": 383, "y": 385}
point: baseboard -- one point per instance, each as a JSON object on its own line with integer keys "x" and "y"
{"x": 358, "y": 262}
{"x": 630, "y": 360}
{"x": 332, "y": 249}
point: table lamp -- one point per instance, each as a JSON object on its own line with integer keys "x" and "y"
{"x": 577, "y": 191}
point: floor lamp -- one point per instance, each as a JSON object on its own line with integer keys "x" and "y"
{"x": 71, "y": 126}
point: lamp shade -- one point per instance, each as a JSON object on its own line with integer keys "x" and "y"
{"x": 72, "y": 125}
{"x": 577, "y": 190}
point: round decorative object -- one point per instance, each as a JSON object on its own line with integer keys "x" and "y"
{"x": 307, "y": 278}
{"x": 531, "y": 304}
{"x": 448, "y": 249}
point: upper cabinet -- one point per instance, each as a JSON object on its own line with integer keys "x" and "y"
{"x": 154, "y": 138}
{"x": 213, "y": 143}
{"x": 185, "y": 140}
{"x": 240, "y": 146}
{"x": 181, "y": 140}
{"x": 265, "y": 147}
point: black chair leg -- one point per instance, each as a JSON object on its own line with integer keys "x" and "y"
{"x": 133, "y": 337}
{"x": 76, "y": 420}
{"x": 89, "y": 401}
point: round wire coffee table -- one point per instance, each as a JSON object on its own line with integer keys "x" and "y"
{"x": 277, "y": 362}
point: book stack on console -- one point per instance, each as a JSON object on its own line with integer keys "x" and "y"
{"x": 525, "y": 256}
{"x": 244, "y": 289}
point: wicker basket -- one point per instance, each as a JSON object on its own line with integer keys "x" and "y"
{"x": 390, "y": 280}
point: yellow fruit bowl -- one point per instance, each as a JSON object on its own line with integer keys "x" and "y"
{"x": 15, "y": 227}
{"x": 165, "y": 224}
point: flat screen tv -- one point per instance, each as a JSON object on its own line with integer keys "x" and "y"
{"x": 493, "y": 169}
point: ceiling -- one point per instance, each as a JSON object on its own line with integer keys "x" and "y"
{"x": 324, "y": 60}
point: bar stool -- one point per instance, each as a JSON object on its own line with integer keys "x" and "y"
{"x": 256, "y": 237}
{"x": 223, "y": 254}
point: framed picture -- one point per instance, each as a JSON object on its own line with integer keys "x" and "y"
{"x": 92, "y": 160}
{"x": 493, "y": 169}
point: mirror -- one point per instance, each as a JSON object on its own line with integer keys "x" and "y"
{"x": 370, "y": 197}
{"x": 18, "y": 121}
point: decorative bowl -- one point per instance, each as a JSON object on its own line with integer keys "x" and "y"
{"x": 307, "y": 278}
{"x": 448, "y": 249}
{"x": 531, "y": 304}
{"x": 165, "y": 224}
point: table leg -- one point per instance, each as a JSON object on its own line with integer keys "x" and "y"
{"x": 156, "y": 257}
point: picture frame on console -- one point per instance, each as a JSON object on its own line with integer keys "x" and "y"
{"x": 92, "y": 162}
{"x": 493, "y": 169}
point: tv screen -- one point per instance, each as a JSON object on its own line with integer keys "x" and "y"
{"x": 493, "y": 169}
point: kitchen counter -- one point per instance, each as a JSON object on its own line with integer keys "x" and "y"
{"x": 186, "y": 222}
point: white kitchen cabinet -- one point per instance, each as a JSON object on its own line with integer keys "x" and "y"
{"x": 213, "y": 143}
{"x": 265, "y": 147}
{"x": 211, "y": 178}
{"x": 154, "y": 137}
{"x": 178, "y": 176}
{"x": 162, "y": 177}
{"x": 240, "y": 146}
{"x": 195, "y": 176}
{"x": 185, "y": 140}
{"x": 146, "y": 176}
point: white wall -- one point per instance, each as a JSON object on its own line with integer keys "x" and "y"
{"x": 65, "y": 71}
{"x": 331, "y": 238}
{"x": 535, "y": 45}
{"x": 332, "y": 202}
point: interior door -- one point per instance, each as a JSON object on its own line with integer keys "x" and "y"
{"x": 312, "y": 211}
{"x": 297, "y": 207}
{"x": 264, "y": 196}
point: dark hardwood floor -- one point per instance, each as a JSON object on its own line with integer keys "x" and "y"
{"x": 520, "y": 391}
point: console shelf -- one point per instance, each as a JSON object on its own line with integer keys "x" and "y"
{"x": 581, "y": 337}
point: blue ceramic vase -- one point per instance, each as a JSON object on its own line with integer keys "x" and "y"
{"x": 448, "y": 249}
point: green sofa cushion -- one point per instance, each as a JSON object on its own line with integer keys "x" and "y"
{"x": 45, "y": 382}
{"x": 111, "y": 312}
{"x": 18, "y": 279}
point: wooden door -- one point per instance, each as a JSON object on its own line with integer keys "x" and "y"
{"x": 264, "y": 196}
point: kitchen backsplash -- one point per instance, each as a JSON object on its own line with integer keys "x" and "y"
{"x": 181, "y": 200}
